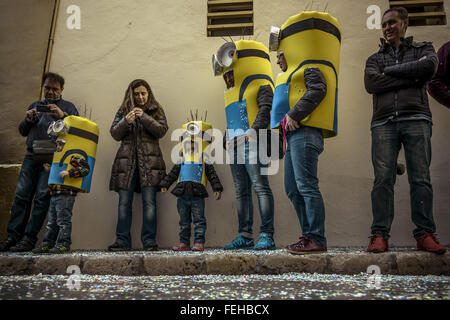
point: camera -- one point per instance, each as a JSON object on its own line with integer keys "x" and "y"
{"x": 42, "y": 107}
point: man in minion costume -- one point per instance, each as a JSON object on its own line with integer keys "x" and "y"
{"x": 247, "y": 72}
{"x": 305, "y": 107}
{"x": 70, "y": 173}
{"x": 192, "y": 172}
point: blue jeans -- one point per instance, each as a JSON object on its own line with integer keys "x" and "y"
{"x": 148, "y": 233}
{"x": 301, "y": 183}
{"x": 32, "y": 182}
{"x": 194, "y": 206}
{"x": 245, "y": 176}
{"x": 59, "y": 225}
{"x": 415, "y": 135}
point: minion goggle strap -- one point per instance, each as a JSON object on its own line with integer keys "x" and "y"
{"x": 59, "y": 127}
{"x": 276, "y": 34}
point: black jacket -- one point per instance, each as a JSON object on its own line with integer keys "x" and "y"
{"x": 316, "y": 91}
{"x": 191, "y": 188}
{"x": 398, "y": 82}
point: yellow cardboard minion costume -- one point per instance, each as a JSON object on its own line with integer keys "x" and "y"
{"x": 193, "y": 164}
{"x": 81, "y": 137}
{"x": 251, "y": 67}
{"x": 309, "y": 39}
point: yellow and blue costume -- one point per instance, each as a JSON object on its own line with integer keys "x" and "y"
{"x": 251, "y": 70}
{"x": 81, "y": 138}
{"x": 309, "y": 39}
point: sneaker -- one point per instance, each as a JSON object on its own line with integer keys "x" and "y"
{"x": 43, "y": 248}
{"x": 181, "y": 247}
{"x": 198, "y": 247}
{"x": 377, "y": 244}
{"x": 305, "y": 246}
{"x": 151, "y": 247}
{"x": 118, "y": 247}
{"x": 240, "y": 242}
{"x": 23, "y": 245}
{"x": 265, "y": 242}
{"x": 428, "y": 242}
{"x": 7, "y": 244}
{"x": 59, "y": 249}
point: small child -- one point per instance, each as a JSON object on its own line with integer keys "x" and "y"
{"x": 57, "y": 239}
{"x": 191, "y": 201}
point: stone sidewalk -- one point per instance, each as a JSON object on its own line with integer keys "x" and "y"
{"x": 398, "y": 261}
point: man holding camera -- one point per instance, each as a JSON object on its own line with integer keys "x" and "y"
{"x": 33, "y": 178}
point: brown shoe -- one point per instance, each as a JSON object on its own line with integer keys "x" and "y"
{"x": 428, "y": 242}
{"x": 181, "y": 247}
{"x": 377, "y": 244}
{"x": 305, "y": 246}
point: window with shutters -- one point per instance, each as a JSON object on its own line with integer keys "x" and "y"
{"x": 423, "y": 12}
{"x": 230, "y": 18}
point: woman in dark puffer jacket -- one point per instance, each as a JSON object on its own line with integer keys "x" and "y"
{"x": 139, "y": 165}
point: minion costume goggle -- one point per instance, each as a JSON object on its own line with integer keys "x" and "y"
{"x": 193, "y": 163}
{"x": 250, "y": 62}
{"x": 81, "y": 137}
{"x": 308, "y": 39}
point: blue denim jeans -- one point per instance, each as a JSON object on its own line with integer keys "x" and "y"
{"x": 415, "y": 135}
{"x": 301, "y": 183}
{"x": 246, "y": 176}
{"x": 148, "y": 232}
{"x": 32, "y": 182}
{"x": 192, "y": 208}
{"x": 59, "y": 224}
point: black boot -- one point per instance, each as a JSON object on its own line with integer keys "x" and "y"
{"x": 118, "y": 247}
{"x": 23, "y": 245}
{"x": 7, "y": 244}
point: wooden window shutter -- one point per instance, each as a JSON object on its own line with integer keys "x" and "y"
{"x": 230, "y": 18}
{"x": 423, "y": 12}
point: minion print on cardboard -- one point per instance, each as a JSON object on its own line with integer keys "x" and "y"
{"x": 250, "y": 62}
{"x": 309, "y": 39}
{"x": 81, "y": 138}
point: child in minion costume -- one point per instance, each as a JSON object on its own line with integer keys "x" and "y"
{"x": 192, "y": 173}
{"x": 305, "y": 107}
{"x": 71, "y": 172}
{"x": 245, "y": 66}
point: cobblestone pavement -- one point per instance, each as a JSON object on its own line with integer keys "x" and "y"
{"x": 290, "y": 286}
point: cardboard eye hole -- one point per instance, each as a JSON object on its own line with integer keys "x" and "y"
{"x": 274, "y": 38}
{"x": 50, "y": 129}
{"x": 59, "y": 127}
{"x": 193, "y": 128}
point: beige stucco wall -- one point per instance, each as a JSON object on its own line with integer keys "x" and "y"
{"x": 165, "y": 43}
{"x": 24, "y": 31}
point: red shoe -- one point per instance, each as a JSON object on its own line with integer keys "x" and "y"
{"x": 428, "y": 242}
{"x": 198, "y": 247}
{"x": 377, "y": 244}
{"x": 181, "y": 247}
{"x": 305, "y": 246}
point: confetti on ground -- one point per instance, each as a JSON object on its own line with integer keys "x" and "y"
{"x": 287, "y": 286}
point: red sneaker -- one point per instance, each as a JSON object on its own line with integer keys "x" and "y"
{"x": 305, "y": 246}
{"x": 181, "y": 247}
{"x": 377, "y": 244}
{"x": 198, "y": 247}
{"x": 428, "y": 242}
